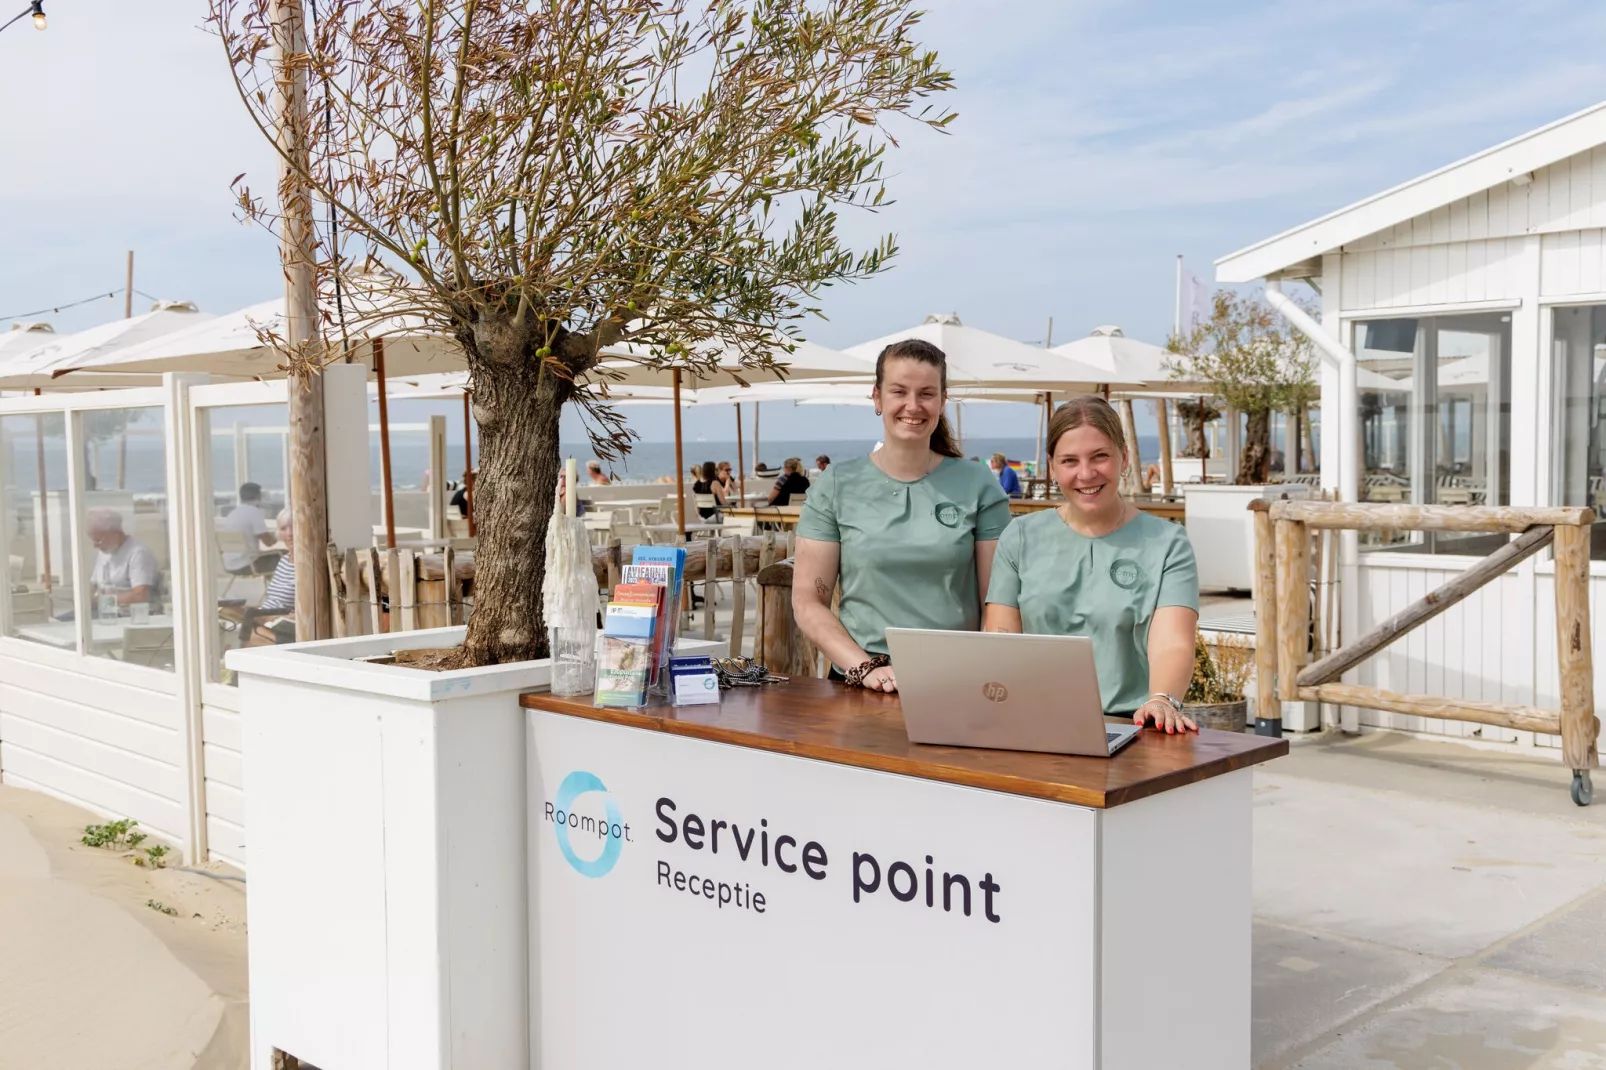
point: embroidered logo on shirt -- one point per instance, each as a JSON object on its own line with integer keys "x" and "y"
{"x": 1125, "y": 573}
{"x": 948, "y": 514}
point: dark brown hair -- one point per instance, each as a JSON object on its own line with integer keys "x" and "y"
{"x": 1089, "y": 410}
{"x": 709, "y": 471}
{"x": 942, "y": 439}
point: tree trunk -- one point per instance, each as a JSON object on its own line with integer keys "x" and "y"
{"x": 1194, "y": 417}
{"x": 1254, "y": 460}
{"x": 518, "y": 401}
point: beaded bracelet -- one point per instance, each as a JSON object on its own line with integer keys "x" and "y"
{"x": 855, "y": 677}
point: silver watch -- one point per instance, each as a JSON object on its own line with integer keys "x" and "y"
{"x": 1172, "y": 700}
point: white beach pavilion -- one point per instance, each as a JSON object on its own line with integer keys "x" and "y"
{"x": 1462, "y": 318}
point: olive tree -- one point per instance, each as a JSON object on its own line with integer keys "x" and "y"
{"x": 1255, "y": 363}
{"x": 543, "y": 180}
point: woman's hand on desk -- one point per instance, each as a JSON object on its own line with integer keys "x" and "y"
{"x": 1165, "y": 717}
{"x": 882, "y": 679}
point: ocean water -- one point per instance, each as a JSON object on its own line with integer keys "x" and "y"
{"x": 144, "y": 465}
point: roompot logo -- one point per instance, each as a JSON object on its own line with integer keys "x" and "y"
{"x": 587, "y": 824}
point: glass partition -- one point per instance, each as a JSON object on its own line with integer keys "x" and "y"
{"x": 1578, "y": 349}
{"x": 1435, "y": 420}
{"x": 249, "y": 578}
{"x": 126, "y": 535}
{"x": 36, "y": 529}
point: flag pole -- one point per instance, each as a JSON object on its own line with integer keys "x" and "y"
{"x": 1176, "y": 322}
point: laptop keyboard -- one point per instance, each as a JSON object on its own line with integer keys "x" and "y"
{"x": 1111, "y": 737}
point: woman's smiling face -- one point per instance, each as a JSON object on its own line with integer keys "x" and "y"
{"x": 910, "y": 399}
{"x": 1087, "y": 467}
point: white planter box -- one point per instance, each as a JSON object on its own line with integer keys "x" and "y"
{"x": 386, "y": 822}
{"x": 1223, "y": 533}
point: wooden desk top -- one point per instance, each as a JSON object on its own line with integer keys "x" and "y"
{"x": 812, "y": 718}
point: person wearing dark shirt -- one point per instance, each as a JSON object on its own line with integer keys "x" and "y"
{"x": 792, "y": 481}
{"x": 708, "y": 483}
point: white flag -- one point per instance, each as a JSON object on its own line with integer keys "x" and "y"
{"x": 1199, "y": 302}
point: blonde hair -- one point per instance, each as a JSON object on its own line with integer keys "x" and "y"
{"x": 1089, "y": 410}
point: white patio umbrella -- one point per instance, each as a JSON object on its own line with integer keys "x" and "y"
{"x": 43, "y": 366}
{"x": 981, "y": 358}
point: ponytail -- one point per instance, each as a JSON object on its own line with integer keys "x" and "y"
{"x": 942, "y": 440}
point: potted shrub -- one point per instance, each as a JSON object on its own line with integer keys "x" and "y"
{"x": 1215, "y": 697}
{"x": 1255, "y": 364}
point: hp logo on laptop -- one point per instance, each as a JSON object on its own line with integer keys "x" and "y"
{"x": 994, "y": 692}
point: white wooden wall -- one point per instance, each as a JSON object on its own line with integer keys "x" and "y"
{"x": 225, "y": 785}
{"x": 110, "y": 742}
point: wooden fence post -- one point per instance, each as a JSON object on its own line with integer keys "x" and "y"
{"x": 779, "y": 644}
{"x": 1579, "y": 728}
{"x": 1293, "y": 605}
{"x": 1266, "y": 700}
{"x": 738, "y": 594}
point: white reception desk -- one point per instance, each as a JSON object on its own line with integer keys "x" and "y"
{"x": 785, "y": 881}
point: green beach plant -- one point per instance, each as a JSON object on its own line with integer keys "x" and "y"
{"x": 545, "y": 181}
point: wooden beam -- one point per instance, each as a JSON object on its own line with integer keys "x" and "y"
{"x": 308, "y": 488}
{"x": 1579, "y": 728}
{"x": 1363, "y": 516}
{"x": 680, "y": 470}
{"x": 1522, "y": 718}
{"x": 1265, "y": 612}
{"x": 1293, "y": 602}
{"x": 386, "y": 495}
{"x": 1437, "y": 601}
{"x": 1163, "y": 415}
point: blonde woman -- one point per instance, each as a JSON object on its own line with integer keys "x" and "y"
{"x": 1100, "y": 567}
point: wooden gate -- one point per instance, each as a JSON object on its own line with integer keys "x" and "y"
{"x": 1283, "y": 614}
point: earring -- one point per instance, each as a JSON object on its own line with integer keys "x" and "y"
{"x": 878, "y": 412}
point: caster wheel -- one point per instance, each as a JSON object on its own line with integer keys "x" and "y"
{"x": 1583, "y": 789}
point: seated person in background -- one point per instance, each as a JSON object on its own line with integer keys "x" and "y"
{"x": 460, "y": 495}
{"x": 1006, "y": 475}
{"x": 249, "y": 522}
{"x": 275, "y": 618}
{"x": 726, "y": 481}
{"x": 124, "y": 566}
{"x": 821, "y": 463}
{"x": 792, "y": 481}
{"x": 708, "y": 483}
{"x": 594, "y": 473}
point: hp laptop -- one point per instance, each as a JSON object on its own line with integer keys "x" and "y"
{"x": 1006, "y": 692}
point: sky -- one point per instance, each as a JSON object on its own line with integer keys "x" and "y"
{"x": 1096, "y": 140}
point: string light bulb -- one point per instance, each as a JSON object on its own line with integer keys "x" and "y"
{"x": 38, "y": 9}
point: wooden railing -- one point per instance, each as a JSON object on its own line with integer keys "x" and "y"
{"x": 1283, "y": 614}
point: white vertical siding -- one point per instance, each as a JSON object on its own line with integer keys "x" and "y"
{"x": 1449, "y": 273}
{"x": 225, "y": 785}
{"x": 1481, "y": 649}
{"x": 110, "y": 746}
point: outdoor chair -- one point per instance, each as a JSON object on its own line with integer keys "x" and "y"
{"x": 148, "y": 645}
{"x": 599, "y": 528}
{"x": 30, "y": 607}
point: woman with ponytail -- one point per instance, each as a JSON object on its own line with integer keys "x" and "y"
{"x": 909, "y": 531}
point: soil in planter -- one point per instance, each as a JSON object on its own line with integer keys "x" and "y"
{"x": 436, "y": 659}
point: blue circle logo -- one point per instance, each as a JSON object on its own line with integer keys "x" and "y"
{"x": 609, "y": 829}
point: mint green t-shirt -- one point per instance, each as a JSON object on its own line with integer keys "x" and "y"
{"x": 908, "y": 550}
{"x": 1105, "y": 588}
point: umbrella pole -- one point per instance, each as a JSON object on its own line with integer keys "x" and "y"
{"x": 1038, "y": 462}
{"x": 680, "y": 463}
{"x": 468, "y": 465}
{"x": 755, "y": 440}
{"x": 1162, "y": 415}
{"x": 44, "y": 496}
{"x": 384, "y": 447}
{"x": 741, "y": 464}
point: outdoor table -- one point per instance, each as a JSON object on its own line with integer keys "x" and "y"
{"x": 104, "y": 635}
{"x": 1164, "y": 508}
{"x": 785, "y": 516}
{"x": 846, "y": 898}
{"x": 713, "y": 527}
{"x": 629, "y": 506}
